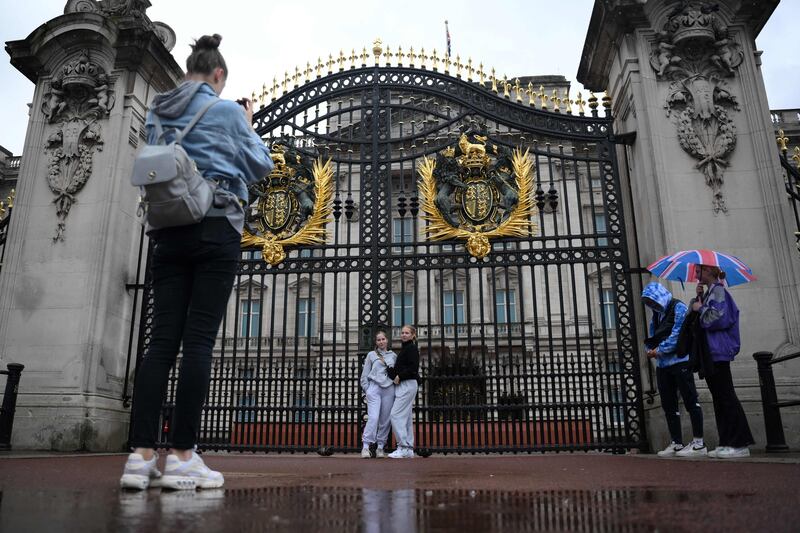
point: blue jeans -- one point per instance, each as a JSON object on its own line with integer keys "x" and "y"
{"x": 193, "y": 268}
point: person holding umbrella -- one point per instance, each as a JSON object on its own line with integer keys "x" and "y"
{"x": 719, "y": 319}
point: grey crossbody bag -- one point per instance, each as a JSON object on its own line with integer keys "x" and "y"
{"x": 173, "y": 191}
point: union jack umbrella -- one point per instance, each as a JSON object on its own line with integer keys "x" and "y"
{"x": 680, "y": 266}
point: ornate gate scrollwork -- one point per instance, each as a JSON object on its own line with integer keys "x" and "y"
{"x": 294, "y": 203}
{"x": 469, "y": 194}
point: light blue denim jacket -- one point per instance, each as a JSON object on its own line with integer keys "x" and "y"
{"x": 223, "y": 144}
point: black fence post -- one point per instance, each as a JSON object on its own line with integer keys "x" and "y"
{"x": 9, "y": 403}
{"x": 776, "y": 441}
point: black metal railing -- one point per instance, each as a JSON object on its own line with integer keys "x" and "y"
{"x": 528, "y": 348}
{"x": 791, "y": 168}
{"x": 773, "y": 425}
{"x": 5, "y": 218}
{"x": 9, "y": 407}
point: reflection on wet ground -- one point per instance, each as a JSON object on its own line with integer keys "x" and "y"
{"x": 299, "y": 509}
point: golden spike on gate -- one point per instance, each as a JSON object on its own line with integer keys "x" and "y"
{"x": 518, "y": 90}
{"x": 542, "y": 98}
{"x": 2, "y": 210}
{"x": 264, "y": 95}
{"x": 782, "y": 140}
{"x": 606, "y": 102}
{"x": 296, "y": 77}
{"x": 400, "y": 55}
{"x": 481, "y": 75}
{"x": 795, "y": 158}
{"x": 556, "y": 101}
{"x": 529, "y": 92}
{"x": 458, "y": 66}
{"x": 364, "y": 55}
{"x": 285, "y": 82}
{"x": 319, "y": 67}
{"x": 470, "y": 69}
{"x": 434, "y": 60}
{"x": 567, "y": 102}
{"x": 494, "y": 82}
{"x": 353, "y": 57}
{"x": 377, "y": 50}
{"x": 308, "y": 72}
{"x": 423, "y": 59}
{"x": 274, "y": 88}
{"x": 341, "y": 60}
{"x": 592, "y": 102}
{"x": 446, "y": 62}
{"x": 505, "y": 87}
{"x": 330, "y": 63}
{"x": 412, "y": 57}
{"x": 580, "y": 102}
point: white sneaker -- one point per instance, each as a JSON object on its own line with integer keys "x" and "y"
{"x": 191, "y": 474}
{"x": 365, "y": 453}
{"x": 714, "y": 453}
{"x": 732, "y": 453}
{"x": 402, "y": 453}
{"x": 379, "y": 453}
{"x": 670, "y": 450}
{"x": 140, "y": 474}
{"x": 693, "y": 450}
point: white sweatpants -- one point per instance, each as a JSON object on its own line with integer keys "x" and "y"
{"x": 379, "y": 409}
{"x": 402, "y": 416}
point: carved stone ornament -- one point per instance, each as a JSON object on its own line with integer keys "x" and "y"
{"x": 80, "y": 94}
{"x": 136, "y": 9}
{"x": 293, "y": 203}
{"x": 695, "y": 52}
{"x": 477, "y": 190}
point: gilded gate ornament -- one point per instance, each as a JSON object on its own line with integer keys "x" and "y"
{"x": 476, "y": 191}
{"x": 294, "y": 203}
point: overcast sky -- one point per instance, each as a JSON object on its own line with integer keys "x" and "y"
{"x": 262, "y": 39}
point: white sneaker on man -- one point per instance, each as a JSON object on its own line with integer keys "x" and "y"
{"x": 670, "y": 450}
{"x": 191, "y": 474}
{"x": 379, "y": 453}
{"x": 693, "y": 449}
{"x": 714, "y": 453}
{"x": 140, "y": 474}
{"x": 731, "y": 453}
{"x": 365, "y": 453}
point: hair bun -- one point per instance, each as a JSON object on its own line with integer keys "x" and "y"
{"x": 207, "y": 42}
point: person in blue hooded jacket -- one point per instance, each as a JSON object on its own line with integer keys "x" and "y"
{"x": 673, "y": 373}
{"x": 193, "y": 268}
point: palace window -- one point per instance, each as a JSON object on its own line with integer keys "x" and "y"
{"x": 402, "y": 309}
{"x": 600, "y": 227}
{"x": 608, "y": 309}
{"x": 453, "y": 307}
{"x": 306, "y": 317}
{"x": 250, "y": 318}
{"x": 505, "y": 306}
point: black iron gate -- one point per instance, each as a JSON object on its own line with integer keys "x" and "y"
{"x": 527, "y": 339}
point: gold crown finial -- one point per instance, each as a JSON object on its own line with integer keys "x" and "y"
{"x": 377, "y": 50}
{"x": 782, "y": 140}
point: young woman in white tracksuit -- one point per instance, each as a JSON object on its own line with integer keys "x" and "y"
{"x": 405, "y": 375}
{"x": 379, "y": 388}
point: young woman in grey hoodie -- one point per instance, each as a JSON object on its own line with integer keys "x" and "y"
{"x": 379, "y": 389}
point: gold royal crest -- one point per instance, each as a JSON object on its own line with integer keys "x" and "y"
{"x": 294, "y": 204}
{"x": 466, "y": 193}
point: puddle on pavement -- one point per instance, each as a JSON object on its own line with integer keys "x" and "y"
{"x": 340, "y": 510}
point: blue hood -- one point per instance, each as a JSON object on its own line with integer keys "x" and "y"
{"x": 173, "y": 104}
{"x": 659, "y": 294}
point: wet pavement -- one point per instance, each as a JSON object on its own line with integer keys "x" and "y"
{"x": 554, "y": 492}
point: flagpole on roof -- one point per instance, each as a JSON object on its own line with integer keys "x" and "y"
{"x": 447, "y": 35}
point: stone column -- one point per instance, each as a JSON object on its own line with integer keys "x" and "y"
{"x": 703, "y": 164}
{"x": 64, "y": 310}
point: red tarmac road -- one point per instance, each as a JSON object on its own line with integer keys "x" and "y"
{"x": 557, "y": 492}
